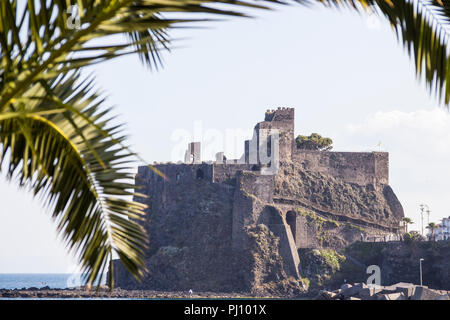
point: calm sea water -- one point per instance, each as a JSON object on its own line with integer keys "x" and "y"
{"x": 39, "y": 280}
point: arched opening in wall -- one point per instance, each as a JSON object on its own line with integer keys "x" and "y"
{"x": 272, "y": 216}
{"x": 291, "y": 221}
{"x": 200, "y": 175}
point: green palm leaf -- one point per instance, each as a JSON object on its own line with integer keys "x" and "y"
{"x": 423, "y": 26}
{"x": 56, "y": 137}
{"x": 52, "y": 41}
{"x": 82, "y": 173}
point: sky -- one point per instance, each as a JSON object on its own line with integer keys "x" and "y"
{"x": 345, "y": 75}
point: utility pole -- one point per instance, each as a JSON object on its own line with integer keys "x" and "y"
{"x": 421, "y": 214}
{"x": 428, "y": 214}
{"x": 420, "y": 263}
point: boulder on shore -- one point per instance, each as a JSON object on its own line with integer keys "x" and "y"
{"x": 398, "y": 291}
{"x": 392, "y": 296}
{"x": 425, "y": 293}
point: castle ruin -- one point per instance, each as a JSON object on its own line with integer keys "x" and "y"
{"x": 235, "y": 225}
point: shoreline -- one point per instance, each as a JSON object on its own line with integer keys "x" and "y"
{"x": 104, "y": 293}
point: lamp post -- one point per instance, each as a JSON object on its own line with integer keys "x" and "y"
{"x": 420, "y": 267}
{"x": 422, "y": 207}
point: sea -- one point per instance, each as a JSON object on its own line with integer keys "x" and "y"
{"x": 40, "y": 280}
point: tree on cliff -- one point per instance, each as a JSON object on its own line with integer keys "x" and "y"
{"x": 432, "y": 226}
{"x": 413, "y": 236}
{"x": 57, "y": 136}
{"x": 407, "y": 221}
{"x": 313, "y": 142}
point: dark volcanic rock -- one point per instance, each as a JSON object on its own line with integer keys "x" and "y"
{"x": 236, "y": 226}
{"x": 327, "y": 194}
{"x": 398, "y": 261}
{"x": 117, "y": 293}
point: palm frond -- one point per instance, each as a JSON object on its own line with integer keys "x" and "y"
{"x": 423, "y": 27}
{"x": 55, "y": 136}
{"x": 73, "y": 158}
{"x": 39, "y": 42}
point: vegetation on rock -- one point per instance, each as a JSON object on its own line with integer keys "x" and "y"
{"x": 319, "y": 266}
{"x": 413, "y": 236}
{"x": 314, "y": 142}
{"x": 399, "y": 262}
{"x": 407, "y": 221}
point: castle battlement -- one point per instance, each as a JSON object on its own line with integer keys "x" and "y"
{"x": 280, "y": 114}
{"x": 362, "y": 168}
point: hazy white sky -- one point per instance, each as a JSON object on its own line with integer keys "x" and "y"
{"x": 344, "y": 74}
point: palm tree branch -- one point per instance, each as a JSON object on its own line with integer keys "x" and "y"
{"x": 90, "y": 121}
{"x": 422, "y": 27}
{"x": 138, "y": 19}
{"x": 83, "y": 193}
{"x": 20, "y": 85}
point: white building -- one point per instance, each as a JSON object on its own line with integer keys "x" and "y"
{"x": 443, "y": 230}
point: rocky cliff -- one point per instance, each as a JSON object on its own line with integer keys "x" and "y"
{"x": 190, "y": 231}
{"x": 237, "y": 225}
{"x": 398, "y": 262}
{"x": 325, "y": 194}
{"x": 190, "y": 226}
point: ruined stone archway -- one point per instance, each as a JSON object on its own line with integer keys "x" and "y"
{"x": 270, "y": 216}
{"x": 291, "y": 221}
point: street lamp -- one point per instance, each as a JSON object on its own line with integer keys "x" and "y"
{"x": 420, "y": 266}
{"x": 422, "y": 207}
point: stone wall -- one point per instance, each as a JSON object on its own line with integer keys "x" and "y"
{"x": 305, "y": 233}
{"x": 283, "y": 121}
{"x": 189, "y": 223}
{"x": 251, "y": 194}
{"x": 381, "y": 167}
{"x": 362, "y": 168}
{"x": 253, "y": 200}
{"x": 179, "y": 173}
{"x": 212, "y": 236}
{"x": 226, "y": 172}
